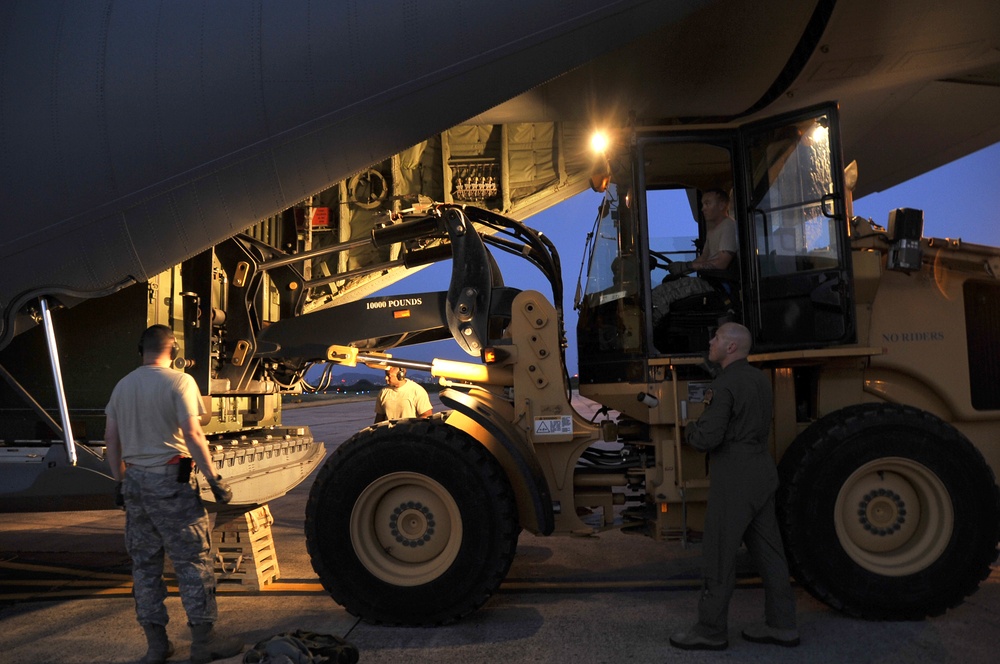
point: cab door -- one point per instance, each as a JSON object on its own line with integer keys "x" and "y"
{"x": 800, "y": 292}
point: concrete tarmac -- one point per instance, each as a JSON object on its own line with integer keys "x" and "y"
{"x": 616, "y": 597}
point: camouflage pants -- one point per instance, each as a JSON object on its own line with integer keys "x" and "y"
{"x": 162, "y": 515}
{"x": 672, "y": 291}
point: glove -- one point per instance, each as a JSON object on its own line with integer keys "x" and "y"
{"x": 223, "y": 494}
{"x": 679, "y": 267}
{"x": 119, "y": 496}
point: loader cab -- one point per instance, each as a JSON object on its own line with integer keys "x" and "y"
{"x": 789, "y": 280}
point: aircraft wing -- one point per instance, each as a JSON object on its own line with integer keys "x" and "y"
{"x": 135, "y": 135}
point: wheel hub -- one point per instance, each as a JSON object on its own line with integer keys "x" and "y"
{"x": 893, "y": 516}
{"x": 412, "y": 524}
{"x": 882, "y": 512}
{"x": 406, "y": 528}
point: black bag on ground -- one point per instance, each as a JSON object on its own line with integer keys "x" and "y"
{"x": 302, "y": 647}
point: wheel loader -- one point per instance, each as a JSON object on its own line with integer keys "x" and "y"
{"x": 880, "y": 346}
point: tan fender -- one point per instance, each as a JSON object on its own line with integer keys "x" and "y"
{"x": 487, "y": 418}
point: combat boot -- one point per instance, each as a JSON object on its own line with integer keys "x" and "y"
{"x": 764, "y": 633}
{"x": 207, "y": 646}
{"x": 160, "y": 648}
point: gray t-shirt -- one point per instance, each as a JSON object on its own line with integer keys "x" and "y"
{"x": 149, "y": 405}
{"x": 722, "y": 238}
{"x": 408, "y": 400}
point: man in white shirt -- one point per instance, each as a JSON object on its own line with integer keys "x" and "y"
{"x": 401, "y": 398}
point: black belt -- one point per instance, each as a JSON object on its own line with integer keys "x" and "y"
{"x": 159, "y": 470}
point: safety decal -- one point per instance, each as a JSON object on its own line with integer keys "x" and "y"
{"x": 554, "y": 426}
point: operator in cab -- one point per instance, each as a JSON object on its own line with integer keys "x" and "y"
{"x": 401, "y": 398}
{"x": 718, "y": 252}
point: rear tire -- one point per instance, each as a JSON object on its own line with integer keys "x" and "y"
{"x": 888, "y": 512}
{"x": 411, "y": 523}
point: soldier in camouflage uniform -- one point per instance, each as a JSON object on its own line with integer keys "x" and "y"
{"x": 153, "y": 434}
{"x": 155, "y": 504}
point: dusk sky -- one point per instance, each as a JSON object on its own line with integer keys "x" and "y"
{"x": 957, "y": 200}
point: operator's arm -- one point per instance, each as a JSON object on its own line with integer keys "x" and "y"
{"x": 113, "y": 450}
{"x": 720, "y": 248}
{"x": 710, "y": 429}
{"x": 720, "y": 260}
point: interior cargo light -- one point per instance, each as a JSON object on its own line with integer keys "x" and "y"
{"x": 599, "y": 142}
{"x": 489, "y": 356}
{"x": 600, "y": 173}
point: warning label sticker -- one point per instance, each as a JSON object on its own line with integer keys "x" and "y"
{"x": 554, "y": 426}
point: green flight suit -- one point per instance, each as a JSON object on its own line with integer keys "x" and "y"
{"x": 734, "y": 429}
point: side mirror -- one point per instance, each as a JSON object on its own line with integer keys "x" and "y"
{"x": 851, "y": 175}
{"x": 600, "y": 175}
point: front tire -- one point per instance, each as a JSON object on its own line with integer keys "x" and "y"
{"x": 888, "y": 512}
{"x": 411, "y": 523}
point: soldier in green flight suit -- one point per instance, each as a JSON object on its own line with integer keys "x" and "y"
{"x": 734, "y": 429}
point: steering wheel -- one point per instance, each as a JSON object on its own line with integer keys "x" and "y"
{"x": 658, "y": 259}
